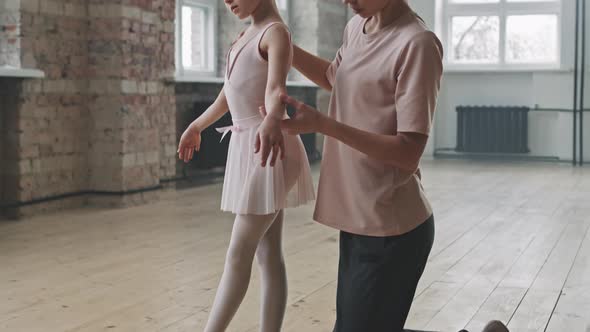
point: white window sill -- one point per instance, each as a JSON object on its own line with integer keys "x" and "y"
{"x": 21, "y": 72}
{"x": 221, "y": 80}
{"x": 478, "y": 70}
{"x": 305, "y": 83}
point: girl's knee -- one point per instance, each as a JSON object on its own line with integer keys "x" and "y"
{"x": 268, "y": 255}
{"x": 240, "y": 255}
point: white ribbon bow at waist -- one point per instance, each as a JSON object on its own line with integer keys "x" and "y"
{"x": 240, "y": 125}
{"x": 225, "y": 130}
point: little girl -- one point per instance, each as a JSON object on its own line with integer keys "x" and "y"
{"x": 257, "y": 67}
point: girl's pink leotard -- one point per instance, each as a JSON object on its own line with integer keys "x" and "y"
{"x": 250, "y": 188}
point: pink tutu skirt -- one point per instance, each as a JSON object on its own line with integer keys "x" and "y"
{"x": 250, "y": 188}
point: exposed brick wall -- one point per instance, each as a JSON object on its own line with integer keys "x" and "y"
{"x": 133, "y": 134}
{"x": 52, "y": 113}
{"x": 102, "y": 119}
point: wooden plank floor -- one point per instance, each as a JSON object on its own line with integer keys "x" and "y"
{"x": 512, "y": 243}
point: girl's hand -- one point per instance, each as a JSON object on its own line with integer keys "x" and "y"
{"x": 306, "y": 119}
{"x": 270, "y": 138}
{"x": 190, "y": 141}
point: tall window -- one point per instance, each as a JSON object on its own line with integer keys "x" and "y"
{"x": 196, "y": 22}
{"x": 501, "y": 33}
{"x": 284, "y": 9}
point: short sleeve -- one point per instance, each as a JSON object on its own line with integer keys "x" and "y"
{"x": 331, "y": 72}
{"x": 419, "y": 72}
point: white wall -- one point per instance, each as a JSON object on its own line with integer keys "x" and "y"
{"x": 550, "y": 134}
{"x": 426, "y": 10}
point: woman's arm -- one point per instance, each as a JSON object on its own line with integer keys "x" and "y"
{"x": 318, "y": 70}
{"x": 312, "y": 67}
{"x": 403, "y": 150}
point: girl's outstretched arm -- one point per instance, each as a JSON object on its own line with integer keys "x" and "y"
{"x": 213, "y": 113}
{"x": 276, "y": 45}
{"x": 190, "y": 141}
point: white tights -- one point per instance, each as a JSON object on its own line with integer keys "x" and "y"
{"x": 260, "y": 235}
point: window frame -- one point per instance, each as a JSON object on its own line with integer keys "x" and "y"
{"x": 446, "y": 10}
{"x": 211, "y": 23}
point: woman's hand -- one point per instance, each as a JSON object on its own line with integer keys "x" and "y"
{"x": 190, "y": 141}
{"x": 306, "y": 119}
{"x": 270, "y": 138}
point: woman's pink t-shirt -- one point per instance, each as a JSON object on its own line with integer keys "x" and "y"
{"x": 385, "y": 82}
